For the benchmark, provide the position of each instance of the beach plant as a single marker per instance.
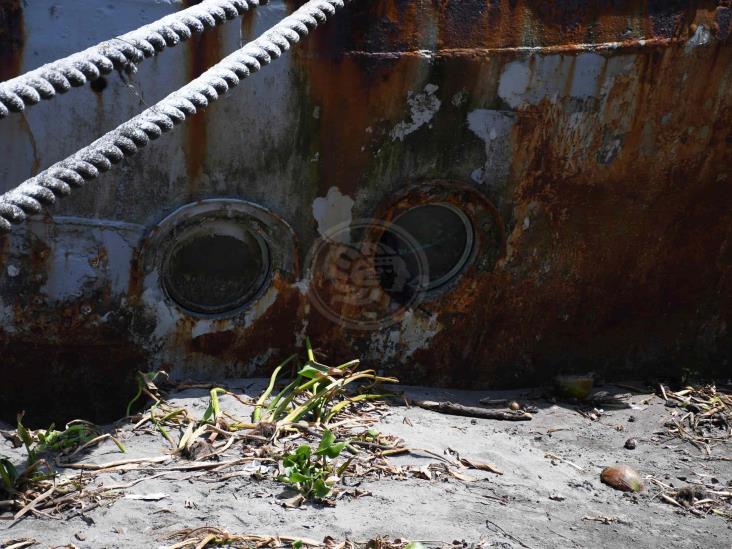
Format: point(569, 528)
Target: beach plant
point(75, 434)
point(312, 473)
point(317, 393)
point(146, 385)
point(8, 477)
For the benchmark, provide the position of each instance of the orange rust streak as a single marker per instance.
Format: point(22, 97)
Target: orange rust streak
point(353, 96)
point(204, 50)
point(247, 26)
point(239, 345)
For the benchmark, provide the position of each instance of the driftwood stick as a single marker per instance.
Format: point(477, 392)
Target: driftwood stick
point(454, 409)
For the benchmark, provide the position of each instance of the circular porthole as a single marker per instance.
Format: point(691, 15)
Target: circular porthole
point(444, 237)
point(217, 257)
point(215, 267)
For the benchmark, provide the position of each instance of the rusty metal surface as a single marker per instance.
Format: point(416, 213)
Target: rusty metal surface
point(599, 135)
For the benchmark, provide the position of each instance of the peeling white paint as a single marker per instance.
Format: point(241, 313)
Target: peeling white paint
point(332, 210)
point(514, 83)
point(302, 333)
point(423, 107)
point(494, 128)
point(119, 258)
point(86, 254)
point(587, 71)
point(418, 331)
point(459, 98)
point(701, 37)
point(166, 316)
point(303, 285)
point(609, 151)
point(259, 307)
point(413, 333)
point(210, 326)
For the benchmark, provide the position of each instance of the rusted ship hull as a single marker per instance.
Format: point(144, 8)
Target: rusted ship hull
point(586, 145)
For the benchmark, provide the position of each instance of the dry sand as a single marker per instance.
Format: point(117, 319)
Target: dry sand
point(538, 502)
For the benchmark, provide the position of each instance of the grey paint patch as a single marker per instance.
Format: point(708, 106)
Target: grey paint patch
point(494, 128)
point(587, 70)
point(69, 271)
point(87, 254)
point(514, 83)
point(529, 83)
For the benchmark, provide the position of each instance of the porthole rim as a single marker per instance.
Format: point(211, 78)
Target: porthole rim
point(489, 231)
point(277, 233)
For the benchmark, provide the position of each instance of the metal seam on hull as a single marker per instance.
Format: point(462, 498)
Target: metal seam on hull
point(43, 189)
point(121, 52)
point(564, 48)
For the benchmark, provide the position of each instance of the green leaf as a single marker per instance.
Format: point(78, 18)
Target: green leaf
point(327, 440)
point(257, 414)
point(303, 451)
point(8, 474)
point(328, 448)
point(415, 545)
point(320, 489)
point(311, 355)
point(312, 371)
point(285, 479)
point(335, 450)
point(299, 477)
point(212, 413)
point(297, 544)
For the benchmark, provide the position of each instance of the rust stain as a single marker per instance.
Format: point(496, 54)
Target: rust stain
point(393, 26)
point(204, 50)
point(566, 308)
point(36, 165)
point(247, 26)
point(12, 38)
point(358, 101)
point(266, 336)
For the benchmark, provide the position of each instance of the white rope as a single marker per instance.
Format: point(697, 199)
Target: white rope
point(121, 53)
point(58, 180)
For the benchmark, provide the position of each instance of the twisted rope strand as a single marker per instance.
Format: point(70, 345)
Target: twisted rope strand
point(121, 53)
point(58, 180)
